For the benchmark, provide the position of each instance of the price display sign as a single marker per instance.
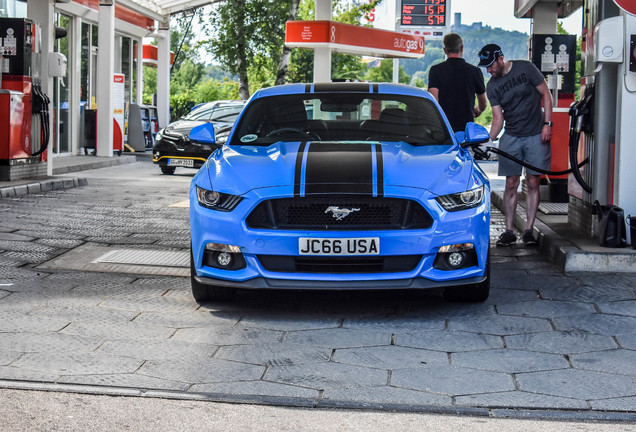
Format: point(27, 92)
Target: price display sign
point(424, 13)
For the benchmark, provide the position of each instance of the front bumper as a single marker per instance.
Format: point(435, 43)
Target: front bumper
point(448, 228)
point(283, 284)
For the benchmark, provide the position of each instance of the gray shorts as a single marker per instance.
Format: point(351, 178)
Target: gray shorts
point(530, 150)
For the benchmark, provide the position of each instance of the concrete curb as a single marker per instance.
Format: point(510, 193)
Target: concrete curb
point(312, 403)
point(91, 163)
point(32, 186)
point(565, 254)
point(38, 186)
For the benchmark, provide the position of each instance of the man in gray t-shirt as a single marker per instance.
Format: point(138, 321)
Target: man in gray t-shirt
point(516, 91)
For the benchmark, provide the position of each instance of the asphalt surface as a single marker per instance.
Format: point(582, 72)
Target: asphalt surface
point(544, 345)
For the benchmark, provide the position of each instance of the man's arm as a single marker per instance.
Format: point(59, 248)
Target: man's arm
point(482, 103)
point(434, 91)
point(497, 122)
point(546, 96)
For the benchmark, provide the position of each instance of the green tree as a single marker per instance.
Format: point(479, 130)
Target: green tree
point(150, 84)
point(186, 72)
point(384, 73)
point(343, 66)
point(186, 77)
point(248, 35)
point(283, 64)
point(182, 38)
point(419, 79)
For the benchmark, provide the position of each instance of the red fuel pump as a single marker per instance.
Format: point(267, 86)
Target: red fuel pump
point(24, 119)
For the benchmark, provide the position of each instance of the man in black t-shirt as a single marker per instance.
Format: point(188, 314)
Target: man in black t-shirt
point(454, 83)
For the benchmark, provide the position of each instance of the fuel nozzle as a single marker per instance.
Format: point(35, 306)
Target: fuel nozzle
point(578, 110)
point(581, 112)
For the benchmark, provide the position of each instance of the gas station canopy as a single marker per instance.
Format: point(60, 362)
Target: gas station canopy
point(162, 9)
point(523, 8)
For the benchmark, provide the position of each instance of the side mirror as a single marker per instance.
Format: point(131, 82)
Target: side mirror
point(460, 136)
point(203, 133)
point(475, 134)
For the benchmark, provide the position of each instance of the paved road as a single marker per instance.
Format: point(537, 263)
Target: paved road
point(545, 344)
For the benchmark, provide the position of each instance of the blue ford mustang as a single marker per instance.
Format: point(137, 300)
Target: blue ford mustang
point(341, 186)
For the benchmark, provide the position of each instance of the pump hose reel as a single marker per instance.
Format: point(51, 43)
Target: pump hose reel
point(41, 108)
point(580, 120)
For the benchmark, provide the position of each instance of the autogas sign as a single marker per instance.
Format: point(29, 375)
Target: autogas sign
point(352, 39)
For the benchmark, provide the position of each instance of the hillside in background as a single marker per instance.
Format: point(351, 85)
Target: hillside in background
point(513, 43)
point(216, 72)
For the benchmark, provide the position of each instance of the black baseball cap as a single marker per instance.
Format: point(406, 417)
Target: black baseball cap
point(488, 54)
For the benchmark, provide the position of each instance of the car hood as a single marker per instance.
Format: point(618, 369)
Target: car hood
point(334, 167)
point(183, 127)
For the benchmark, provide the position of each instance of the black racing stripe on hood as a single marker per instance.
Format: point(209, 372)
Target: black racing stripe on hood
point(379, 164)
point(307, 88)
point(298, 168)
point(339, 168)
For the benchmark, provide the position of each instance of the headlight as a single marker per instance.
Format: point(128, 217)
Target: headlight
point(462, 200)
point(217, 200)
point(159, 135)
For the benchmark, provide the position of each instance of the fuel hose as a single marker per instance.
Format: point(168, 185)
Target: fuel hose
point(527, 165)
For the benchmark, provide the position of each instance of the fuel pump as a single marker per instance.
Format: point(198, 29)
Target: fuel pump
point(602, 123)
point(24, 118)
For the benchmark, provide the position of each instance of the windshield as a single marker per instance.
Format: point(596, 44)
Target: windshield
point(341, 117)
point(214, 112)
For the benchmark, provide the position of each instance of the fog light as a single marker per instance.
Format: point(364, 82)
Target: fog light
point(456, 247)
point(224, 259)
point(222, 247)
point(455, 259)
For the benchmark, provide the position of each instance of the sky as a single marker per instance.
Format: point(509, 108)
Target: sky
point(500, 13)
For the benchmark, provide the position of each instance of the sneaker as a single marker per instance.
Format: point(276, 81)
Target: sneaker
point(528, 238)
point(507, 238)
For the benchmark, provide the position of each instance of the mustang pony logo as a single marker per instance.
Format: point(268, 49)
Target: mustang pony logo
point(340, 213)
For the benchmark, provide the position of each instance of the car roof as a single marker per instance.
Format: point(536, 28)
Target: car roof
point(341, 87)
point(218, 103)
point(224, 102)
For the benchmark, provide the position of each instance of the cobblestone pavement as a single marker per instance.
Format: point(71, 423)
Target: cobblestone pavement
point(544, 342)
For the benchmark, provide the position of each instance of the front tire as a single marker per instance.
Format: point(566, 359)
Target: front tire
point(168, 170)
point(474, 293)
point(203, 293)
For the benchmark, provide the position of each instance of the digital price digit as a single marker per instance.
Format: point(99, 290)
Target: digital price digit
point(424, 13)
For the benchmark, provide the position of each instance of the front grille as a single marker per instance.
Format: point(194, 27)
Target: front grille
point(340, 265)
point(366, 213)
point(172, 139)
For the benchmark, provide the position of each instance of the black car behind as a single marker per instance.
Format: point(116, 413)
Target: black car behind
point(174, 149)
